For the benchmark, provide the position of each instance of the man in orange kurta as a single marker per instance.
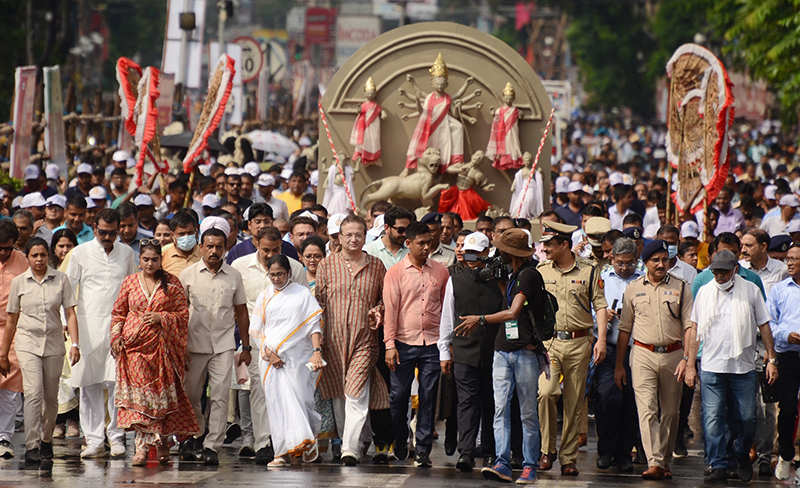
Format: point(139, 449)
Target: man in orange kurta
point(12, 263)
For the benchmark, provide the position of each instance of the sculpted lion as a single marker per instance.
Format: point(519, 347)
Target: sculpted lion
point(418, 186)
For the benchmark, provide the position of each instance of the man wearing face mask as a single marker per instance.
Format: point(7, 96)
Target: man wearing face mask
point(725, 317)
point(656, 313)
point(677, 267)
point(469, 292)
point(184, 251)
point(615, 409)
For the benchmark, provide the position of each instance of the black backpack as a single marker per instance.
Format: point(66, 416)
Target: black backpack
point(545, 326)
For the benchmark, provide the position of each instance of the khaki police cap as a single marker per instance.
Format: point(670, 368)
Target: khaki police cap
point(596, 226)
point(552, 229)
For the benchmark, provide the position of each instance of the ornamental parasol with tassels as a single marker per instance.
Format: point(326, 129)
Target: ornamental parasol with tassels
point(699, 114)
point(220, 85)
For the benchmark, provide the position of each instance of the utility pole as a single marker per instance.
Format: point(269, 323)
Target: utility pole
point(182, 76)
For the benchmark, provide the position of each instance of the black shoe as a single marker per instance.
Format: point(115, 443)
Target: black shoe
point(265, 455)
point(717, 476)
point(450, 449)
point(604, 462)
point(465, 463)
point(232, 433)
point(516, 461)
point(624, 466)
point(489, 461)
point(401, 452)
point(337, 453)
point(680, 450)
point(687, 432)
point(732, 474)
point(188, 450)
point(32, 456)
point(381, 455)
point(764, 470)
point(46, 450)
point(246, 452)
point(421, 460)
point(744, 468)
point(349, 460)
point(210, 457)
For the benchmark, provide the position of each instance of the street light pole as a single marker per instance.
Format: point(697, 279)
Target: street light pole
point(182, 75)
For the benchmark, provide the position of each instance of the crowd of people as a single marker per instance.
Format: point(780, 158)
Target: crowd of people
point(251, 312)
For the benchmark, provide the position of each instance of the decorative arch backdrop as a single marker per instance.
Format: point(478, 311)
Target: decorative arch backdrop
point(412, 50)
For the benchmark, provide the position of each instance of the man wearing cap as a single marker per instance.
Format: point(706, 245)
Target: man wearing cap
point(99, 196)
point(34, 203)
point(726, 315)
point(635, 233)
point(517, 355)
point(728, 241)
point(35, 182)
point(778, 224)
point(84, 182)
point(146, 211)
point(573, 210)
point(469, 293)
point(217, 302)
point(266, 185)
point(334, 227)
point(391, 247)
point(578, 287)
point(258, 215)
point(656, 313)
point(561, 189)
point(690, 232)
point(209, 204)
point(253, 268)
point(615, 409)
point(594, 228)
point(53, 217)
point(96, 270)
point(441, 253)
point(677, 267)
point(779, 247)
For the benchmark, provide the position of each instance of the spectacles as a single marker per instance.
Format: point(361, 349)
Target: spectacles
point(149, 242)
point(625, 265)
point(107, 233)
point(400, 230)
point(277, 275)
point(313, 258)
point(716, 272)
point(6, 248)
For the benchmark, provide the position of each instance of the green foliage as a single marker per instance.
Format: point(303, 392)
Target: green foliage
point(764, 36)
point(6, 179)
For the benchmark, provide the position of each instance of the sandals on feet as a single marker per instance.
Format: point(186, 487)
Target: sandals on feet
point(163, 452)
point(140, 458)
point(278, 462)
point(312, 454)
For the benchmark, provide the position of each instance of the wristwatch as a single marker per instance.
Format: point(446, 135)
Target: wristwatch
point(316, 349)
point(773, 361)
point(685, 358)
point(247, 348)
point(482, 320)
point(76, 345)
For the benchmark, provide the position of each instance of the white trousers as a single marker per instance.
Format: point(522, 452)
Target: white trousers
point(351, 412)
point(258, 403)
point(9, 400)
point(93, 414)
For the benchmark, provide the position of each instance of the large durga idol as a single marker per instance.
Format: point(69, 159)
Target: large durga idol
point(439, 126)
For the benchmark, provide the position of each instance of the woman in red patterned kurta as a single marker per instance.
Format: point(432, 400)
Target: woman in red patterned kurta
point(149, 330)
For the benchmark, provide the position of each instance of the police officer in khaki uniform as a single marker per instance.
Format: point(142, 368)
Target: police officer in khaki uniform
point(577, 286)
point(656, 311)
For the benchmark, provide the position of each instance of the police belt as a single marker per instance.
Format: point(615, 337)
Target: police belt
point(660, 349)
point(565, 336)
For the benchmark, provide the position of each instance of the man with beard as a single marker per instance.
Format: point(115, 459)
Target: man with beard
point(391, 248)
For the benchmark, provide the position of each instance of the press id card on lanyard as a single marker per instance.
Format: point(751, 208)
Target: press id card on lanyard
point(512, 330)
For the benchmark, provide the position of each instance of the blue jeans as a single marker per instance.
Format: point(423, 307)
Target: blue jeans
point(426, 360)
point(737, 392)
point(518, 369)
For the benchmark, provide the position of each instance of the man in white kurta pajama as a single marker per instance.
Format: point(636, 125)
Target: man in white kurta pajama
point(96, 270)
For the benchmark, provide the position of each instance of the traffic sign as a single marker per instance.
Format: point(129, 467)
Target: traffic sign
point(252, 58)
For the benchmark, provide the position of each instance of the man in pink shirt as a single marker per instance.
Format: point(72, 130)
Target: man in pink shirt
point(413, 291)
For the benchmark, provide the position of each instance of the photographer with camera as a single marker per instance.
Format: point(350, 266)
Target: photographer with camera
point(470, 292)
point(518, 354)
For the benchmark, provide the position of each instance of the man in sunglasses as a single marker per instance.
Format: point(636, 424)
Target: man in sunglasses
point(96, 270)
point(391, 248)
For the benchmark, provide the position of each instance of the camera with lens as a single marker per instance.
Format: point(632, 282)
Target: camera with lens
point(495, 268)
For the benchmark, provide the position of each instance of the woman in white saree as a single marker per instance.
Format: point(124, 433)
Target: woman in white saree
point(286, 325)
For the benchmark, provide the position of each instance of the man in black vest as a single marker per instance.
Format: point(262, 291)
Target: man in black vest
point(469, 356)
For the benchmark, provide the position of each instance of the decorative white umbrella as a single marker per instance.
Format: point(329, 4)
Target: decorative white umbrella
point(268, 141)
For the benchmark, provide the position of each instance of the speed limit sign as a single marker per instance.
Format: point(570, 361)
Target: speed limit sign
point(252, 58)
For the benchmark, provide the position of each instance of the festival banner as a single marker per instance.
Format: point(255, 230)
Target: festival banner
point(53, 113)
point(24, 94)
